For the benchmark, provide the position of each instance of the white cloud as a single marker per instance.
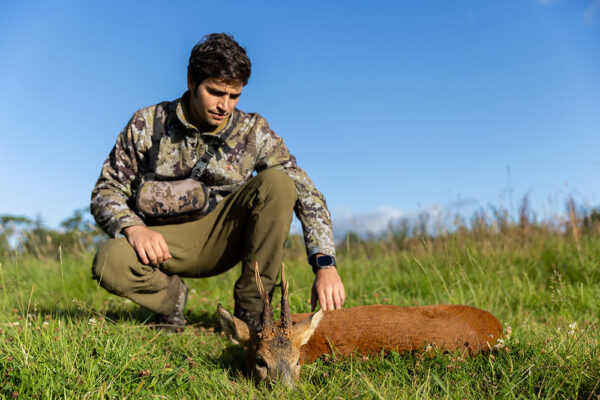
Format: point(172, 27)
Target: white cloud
point(384, 218)
point(374, 222)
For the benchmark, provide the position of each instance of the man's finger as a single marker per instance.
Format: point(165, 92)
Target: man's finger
point(323, 300)
point(329, 297)
point(151, 255)
point(337, 300)
point(142, 254)
point(160, 257)
point(164, 248)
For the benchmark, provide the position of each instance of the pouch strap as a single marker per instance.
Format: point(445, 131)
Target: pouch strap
point(158, 131)
point(213, 145)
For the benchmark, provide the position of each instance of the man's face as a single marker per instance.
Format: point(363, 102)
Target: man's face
point(212, 101)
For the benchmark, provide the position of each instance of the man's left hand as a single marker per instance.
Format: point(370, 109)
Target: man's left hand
point(328, 289)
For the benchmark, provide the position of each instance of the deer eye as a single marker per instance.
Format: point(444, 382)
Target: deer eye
point(260, 363)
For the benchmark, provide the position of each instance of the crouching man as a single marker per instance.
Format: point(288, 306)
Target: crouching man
point(196, 186)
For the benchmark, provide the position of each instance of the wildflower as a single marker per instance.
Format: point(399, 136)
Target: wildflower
point(92, 321)
point(499, 343)
point(508, 330)
point(572, 328)
point(45, 324)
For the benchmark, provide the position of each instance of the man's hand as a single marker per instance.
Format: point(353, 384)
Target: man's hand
point(150, 246)
point(328, 289)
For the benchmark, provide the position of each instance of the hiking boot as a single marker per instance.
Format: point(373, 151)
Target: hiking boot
point(252, 318)
point(174, 322)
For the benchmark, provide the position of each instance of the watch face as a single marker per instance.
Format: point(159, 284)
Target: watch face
point(324, 261)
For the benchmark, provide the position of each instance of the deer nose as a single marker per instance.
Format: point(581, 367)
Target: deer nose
point(284, 375)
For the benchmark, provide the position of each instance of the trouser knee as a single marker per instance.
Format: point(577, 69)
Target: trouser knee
point(112, 266)
point(275, 186)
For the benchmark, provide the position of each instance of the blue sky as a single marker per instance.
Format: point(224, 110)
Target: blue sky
point(392, 107)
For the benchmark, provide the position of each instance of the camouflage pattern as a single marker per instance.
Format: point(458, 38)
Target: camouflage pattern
point(184, 198)
point(253, 147)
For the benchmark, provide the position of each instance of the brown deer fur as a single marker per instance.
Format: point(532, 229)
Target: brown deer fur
point(277, 351)
point(376, 328)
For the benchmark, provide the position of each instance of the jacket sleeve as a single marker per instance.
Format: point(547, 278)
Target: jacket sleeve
point(311, 208)
point(112, 193)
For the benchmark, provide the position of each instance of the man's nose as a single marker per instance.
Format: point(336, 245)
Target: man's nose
point(225, 103)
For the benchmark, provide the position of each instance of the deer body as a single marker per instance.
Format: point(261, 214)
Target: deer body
point(375, 328)
point(276, 352)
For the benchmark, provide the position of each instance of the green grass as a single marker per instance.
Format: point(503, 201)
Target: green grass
point(63, 337)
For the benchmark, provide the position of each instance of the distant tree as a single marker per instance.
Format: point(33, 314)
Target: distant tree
point(21, 235)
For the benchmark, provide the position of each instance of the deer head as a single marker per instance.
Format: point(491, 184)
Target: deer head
point(273, 353)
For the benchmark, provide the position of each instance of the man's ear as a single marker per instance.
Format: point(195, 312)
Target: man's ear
point(190, 84)
point(304, 329)
point(236, 330)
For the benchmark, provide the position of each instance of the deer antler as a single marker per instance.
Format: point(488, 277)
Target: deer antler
point(286, 317)
point(268, 322)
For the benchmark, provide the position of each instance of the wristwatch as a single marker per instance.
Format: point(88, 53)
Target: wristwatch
point(322, 262)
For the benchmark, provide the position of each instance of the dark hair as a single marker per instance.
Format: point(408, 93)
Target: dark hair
point(218, 55)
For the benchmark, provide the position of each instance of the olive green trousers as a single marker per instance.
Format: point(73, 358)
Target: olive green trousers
point(250, 225)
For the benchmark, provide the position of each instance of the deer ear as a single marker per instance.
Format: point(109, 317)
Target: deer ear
point(304, 329)
point(236, 330)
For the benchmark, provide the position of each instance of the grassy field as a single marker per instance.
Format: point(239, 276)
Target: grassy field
point(61, 336)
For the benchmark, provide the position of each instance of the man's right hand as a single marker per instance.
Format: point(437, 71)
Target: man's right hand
point(150, 246)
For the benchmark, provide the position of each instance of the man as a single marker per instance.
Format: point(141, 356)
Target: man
point(254, 182)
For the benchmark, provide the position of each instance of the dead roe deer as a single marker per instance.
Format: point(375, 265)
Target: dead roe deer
point(276, 352)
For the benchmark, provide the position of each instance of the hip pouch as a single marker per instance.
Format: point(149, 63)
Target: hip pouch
point(167, 202)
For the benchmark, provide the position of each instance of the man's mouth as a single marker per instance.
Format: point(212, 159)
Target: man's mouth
point(218, 116)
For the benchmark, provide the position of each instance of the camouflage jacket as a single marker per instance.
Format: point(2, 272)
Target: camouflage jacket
point(253, 147)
